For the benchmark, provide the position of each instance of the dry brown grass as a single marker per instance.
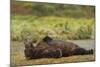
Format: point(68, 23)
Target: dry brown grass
point(18, 60)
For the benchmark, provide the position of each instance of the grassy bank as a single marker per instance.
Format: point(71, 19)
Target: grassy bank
point(57, 27)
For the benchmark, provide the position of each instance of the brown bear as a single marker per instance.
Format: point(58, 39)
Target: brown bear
point(68, 48)
point(49, 48)
point(42, 50)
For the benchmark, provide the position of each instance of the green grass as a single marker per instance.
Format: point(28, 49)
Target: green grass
point(56, 27)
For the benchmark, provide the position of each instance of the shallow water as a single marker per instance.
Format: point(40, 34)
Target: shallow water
point(87, 44)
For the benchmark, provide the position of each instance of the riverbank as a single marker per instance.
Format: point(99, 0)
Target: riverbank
point(18, 58)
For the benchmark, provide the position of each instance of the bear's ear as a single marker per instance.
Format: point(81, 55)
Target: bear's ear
point(25, 40)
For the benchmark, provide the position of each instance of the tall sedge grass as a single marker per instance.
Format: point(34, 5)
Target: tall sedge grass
point(57, 27)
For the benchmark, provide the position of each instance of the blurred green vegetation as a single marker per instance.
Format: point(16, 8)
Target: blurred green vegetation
point(59, 21)
point(53, 9)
